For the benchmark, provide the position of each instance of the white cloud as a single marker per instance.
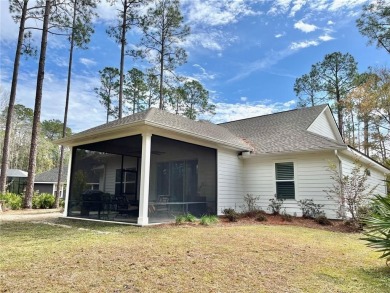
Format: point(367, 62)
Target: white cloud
point(215, 40)
point(303, 44)
point(8, 28)
point(225, 112)
point(326, 38)
point(305, 27)
point(280, 35)
point(279, 7)
point(203, 75)
point(340, 4)
point(297, 5)
point(85, 110)
point(217, 13)
point(87, 62)
point(243, 99)
point(330, 22)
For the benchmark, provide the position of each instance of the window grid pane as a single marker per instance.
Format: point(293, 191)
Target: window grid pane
point(285, 186)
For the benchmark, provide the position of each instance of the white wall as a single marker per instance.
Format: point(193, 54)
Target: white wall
point(375, 180)
point(322, 126)
point(256, 176)
point(230, 180)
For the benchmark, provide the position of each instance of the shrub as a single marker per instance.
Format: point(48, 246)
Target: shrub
point(190, 218)
point(286, 217)
point(43, 201)
point(13, 201)
point(322, 220)
point(276, 205)
point(62, 203)
point(377, 229)
point(309, 209)
point(208, 220)
point(180, 219)
point(261, 217)
point(350, 192)
point(231, 214)
point(250, 204)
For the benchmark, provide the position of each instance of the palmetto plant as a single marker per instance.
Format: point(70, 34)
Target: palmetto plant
point(377, 229)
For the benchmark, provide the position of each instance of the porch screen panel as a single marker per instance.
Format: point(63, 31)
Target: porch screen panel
point(183, 180)
point(104, 180)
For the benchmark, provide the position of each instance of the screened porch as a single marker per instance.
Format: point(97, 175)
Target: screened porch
point(142, 179)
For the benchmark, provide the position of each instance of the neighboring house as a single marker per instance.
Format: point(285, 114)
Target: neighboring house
point(46, 182)
point(153, 165)
point(16, 180)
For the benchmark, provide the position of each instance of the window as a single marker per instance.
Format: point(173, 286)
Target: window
point(178, 179)
point(285, 186)
point(126, 182)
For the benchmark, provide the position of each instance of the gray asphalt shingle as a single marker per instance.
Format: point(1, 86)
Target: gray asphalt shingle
point(51, 176)
point(283, 132)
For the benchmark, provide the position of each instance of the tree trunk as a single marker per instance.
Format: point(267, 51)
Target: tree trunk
point(122, 62)
point(365, 135)
point(37, 111)
point(61, 160)
point(11, 104)
point(162, 62)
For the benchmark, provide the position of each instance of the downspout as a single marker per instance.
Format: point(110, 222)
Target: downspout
point(340, 167)
point(340, 170)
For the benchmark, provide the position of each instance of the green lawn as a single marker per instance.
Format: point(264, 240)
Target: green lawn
point(90, 257)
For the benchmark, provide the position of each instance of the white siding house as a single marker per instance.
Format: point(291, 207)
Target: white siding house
point(207, 168)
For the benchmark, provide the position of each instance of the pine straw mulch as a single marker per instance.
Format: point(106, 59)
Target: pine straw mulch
point(336, 225)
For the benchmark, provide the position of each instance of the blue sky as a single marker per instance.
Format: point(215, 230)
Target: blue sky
point(246, 53)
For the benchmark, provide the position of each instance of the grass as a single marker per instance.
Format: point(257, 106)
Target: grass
point(79, 256)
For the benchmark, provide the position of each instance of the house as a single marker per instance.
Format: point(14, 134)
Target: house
point(152, 165)
point(16, 180)
point(46, 182)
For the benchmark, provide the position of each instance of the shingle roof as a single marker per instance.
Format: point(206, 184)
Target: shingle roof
point(283, 132)
point(16, 173)
point(274, 133)
point(166, 120)
point(51, 176)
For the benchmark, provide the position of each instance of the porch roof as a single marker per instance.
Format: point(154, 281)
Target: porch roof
point(159, 119)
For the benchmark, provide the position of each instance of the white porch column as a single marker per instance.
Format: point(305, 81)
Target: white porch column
point(66, 197)
point(145, 175)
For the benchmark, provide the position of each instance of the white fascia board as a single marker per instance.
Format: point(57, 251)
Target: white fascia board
point(296, 152)
point(101, 135)
point(351, 153)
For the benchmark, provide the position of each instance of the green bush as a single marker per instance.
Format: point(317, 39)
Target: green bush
point(322, 220)
point(43, 201)
point(231, 214)
point(62, 203)
point(275, 205)
point(180, 219)
point(286, 217)
point(377, 228)
point(310, 210)
point(208, 220)
point(261, 217)
point(13, 201)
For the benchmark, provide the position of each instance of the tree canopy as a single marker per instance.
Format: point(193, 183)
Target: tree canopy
point(374, 23)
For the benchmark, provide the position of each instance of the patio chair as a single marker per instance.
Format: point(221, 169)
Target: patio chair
point(162, 205)
point(123, 207)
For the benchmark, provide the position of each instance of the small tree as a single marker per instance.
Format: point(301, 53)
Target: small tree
point(350, 192)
